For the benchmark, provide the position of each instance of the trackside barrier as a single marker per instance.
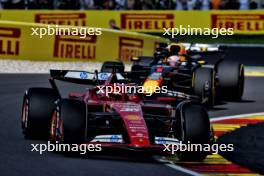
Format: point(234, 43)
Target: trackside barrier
point(17, 42)
point(243, 22)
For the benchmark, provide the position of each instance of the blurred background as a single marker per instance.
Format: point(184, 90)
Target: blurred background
point(185, 5)
point(134, 4)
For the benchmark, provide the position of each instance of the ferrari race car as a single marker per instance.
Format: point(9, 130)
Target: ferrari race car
point(113, 119)
point(222, 81)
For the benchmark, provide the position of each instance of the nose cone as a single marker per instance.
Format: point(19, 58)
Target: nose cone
point(150, 86)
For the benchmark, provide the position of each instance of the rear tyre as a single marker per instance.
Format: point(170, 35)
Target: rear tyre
point(231, 80)
point(195, 129)
point(68, 122)
point(37, 109)
point(203, 83)
point(112, 66)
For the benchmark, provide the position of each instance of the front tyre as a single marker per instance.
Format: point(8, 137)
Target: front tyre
point(195, 129)
point(38, 106)
point(68, 122)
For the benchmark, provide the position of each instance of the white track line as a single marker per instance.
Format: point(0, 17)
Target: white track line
point(175, 167)
point(235, 116)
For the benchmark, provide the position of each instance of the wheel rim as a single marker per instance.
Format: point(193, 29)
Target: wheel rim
point(241, 80)
point(25, 114)
point(59, 128)
point(53, 127)
point(180, 154)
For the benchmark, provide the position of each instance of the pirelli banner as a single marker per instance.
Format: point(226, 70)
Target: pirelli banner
point(242, 22)
point(31, 41)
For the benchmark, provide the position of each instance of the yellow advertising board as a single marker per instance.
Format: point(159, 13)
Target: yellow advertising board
point(243, 22)
point(19, 41)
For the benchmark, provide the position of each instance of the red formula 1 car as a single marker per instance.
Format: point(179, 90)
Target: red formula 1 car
point(113, 119)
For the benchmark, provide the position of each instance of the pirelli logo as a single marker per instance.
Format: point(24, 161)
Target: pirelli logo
point(143, 21)
point(74, 47)
point(9, 41)
point(130, 47)
point(71, 19)
point(239, 22)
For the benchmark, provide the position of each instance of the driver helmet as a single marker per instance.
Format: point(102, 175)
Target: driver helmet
point(174, 61)
point(176, 49)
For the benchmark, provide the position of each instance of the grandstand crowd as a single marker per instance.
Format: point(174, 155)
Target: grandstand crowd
point(133, 4)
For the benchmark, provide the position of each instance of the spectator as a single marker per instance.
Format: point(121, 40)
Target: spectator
point(13, 4)
point(198, 5)
point(182, 5)
point(148, 4)
point(120, 4)
point(253, 4)
point(112, 25)
point(40, 4)
point(215, 4)
point(68, 4)
point(261, 3)
point(244, 4)
point(230, 4)
point(109, 4)
point(131, 4)
point(88, 4)
point(165, 5)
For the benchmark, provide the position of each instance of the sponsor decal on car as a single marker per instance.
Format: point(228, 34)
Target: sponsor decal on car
point(149, 21)
point(108, 138)
point(79, 75)
point(83, 75)
point(103, 76)
point(9, 41)
point(71, 19)
point(74, 47)
point(133, 117)
point(130, 108)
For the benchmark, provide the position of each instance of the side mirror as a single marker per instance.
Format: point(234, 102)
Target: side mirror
point(202, 62)
point(135, 59)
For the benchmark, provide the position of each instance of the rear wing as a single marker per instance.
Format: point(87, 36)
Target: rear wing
point(200, 48)
point(84, 77)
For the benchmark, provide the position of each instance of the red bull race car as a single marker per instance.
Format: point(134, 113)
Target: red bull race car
point(113, 119)
point(181, 70)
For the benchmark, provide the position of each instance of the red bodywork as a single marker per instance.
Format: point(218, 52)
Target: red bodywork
point(130, 109)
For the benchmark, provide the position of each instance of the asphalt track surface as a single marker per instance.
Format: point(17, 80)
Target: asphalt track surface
point(17, 159)
point(248, 146)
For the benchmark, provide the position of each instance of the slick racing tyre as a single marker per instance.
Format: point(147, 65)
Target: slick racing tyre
point(68, 122)
point(230, 80)
point(194, 129)
point(111, 66)
point(37, 109)
point(203, 84)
